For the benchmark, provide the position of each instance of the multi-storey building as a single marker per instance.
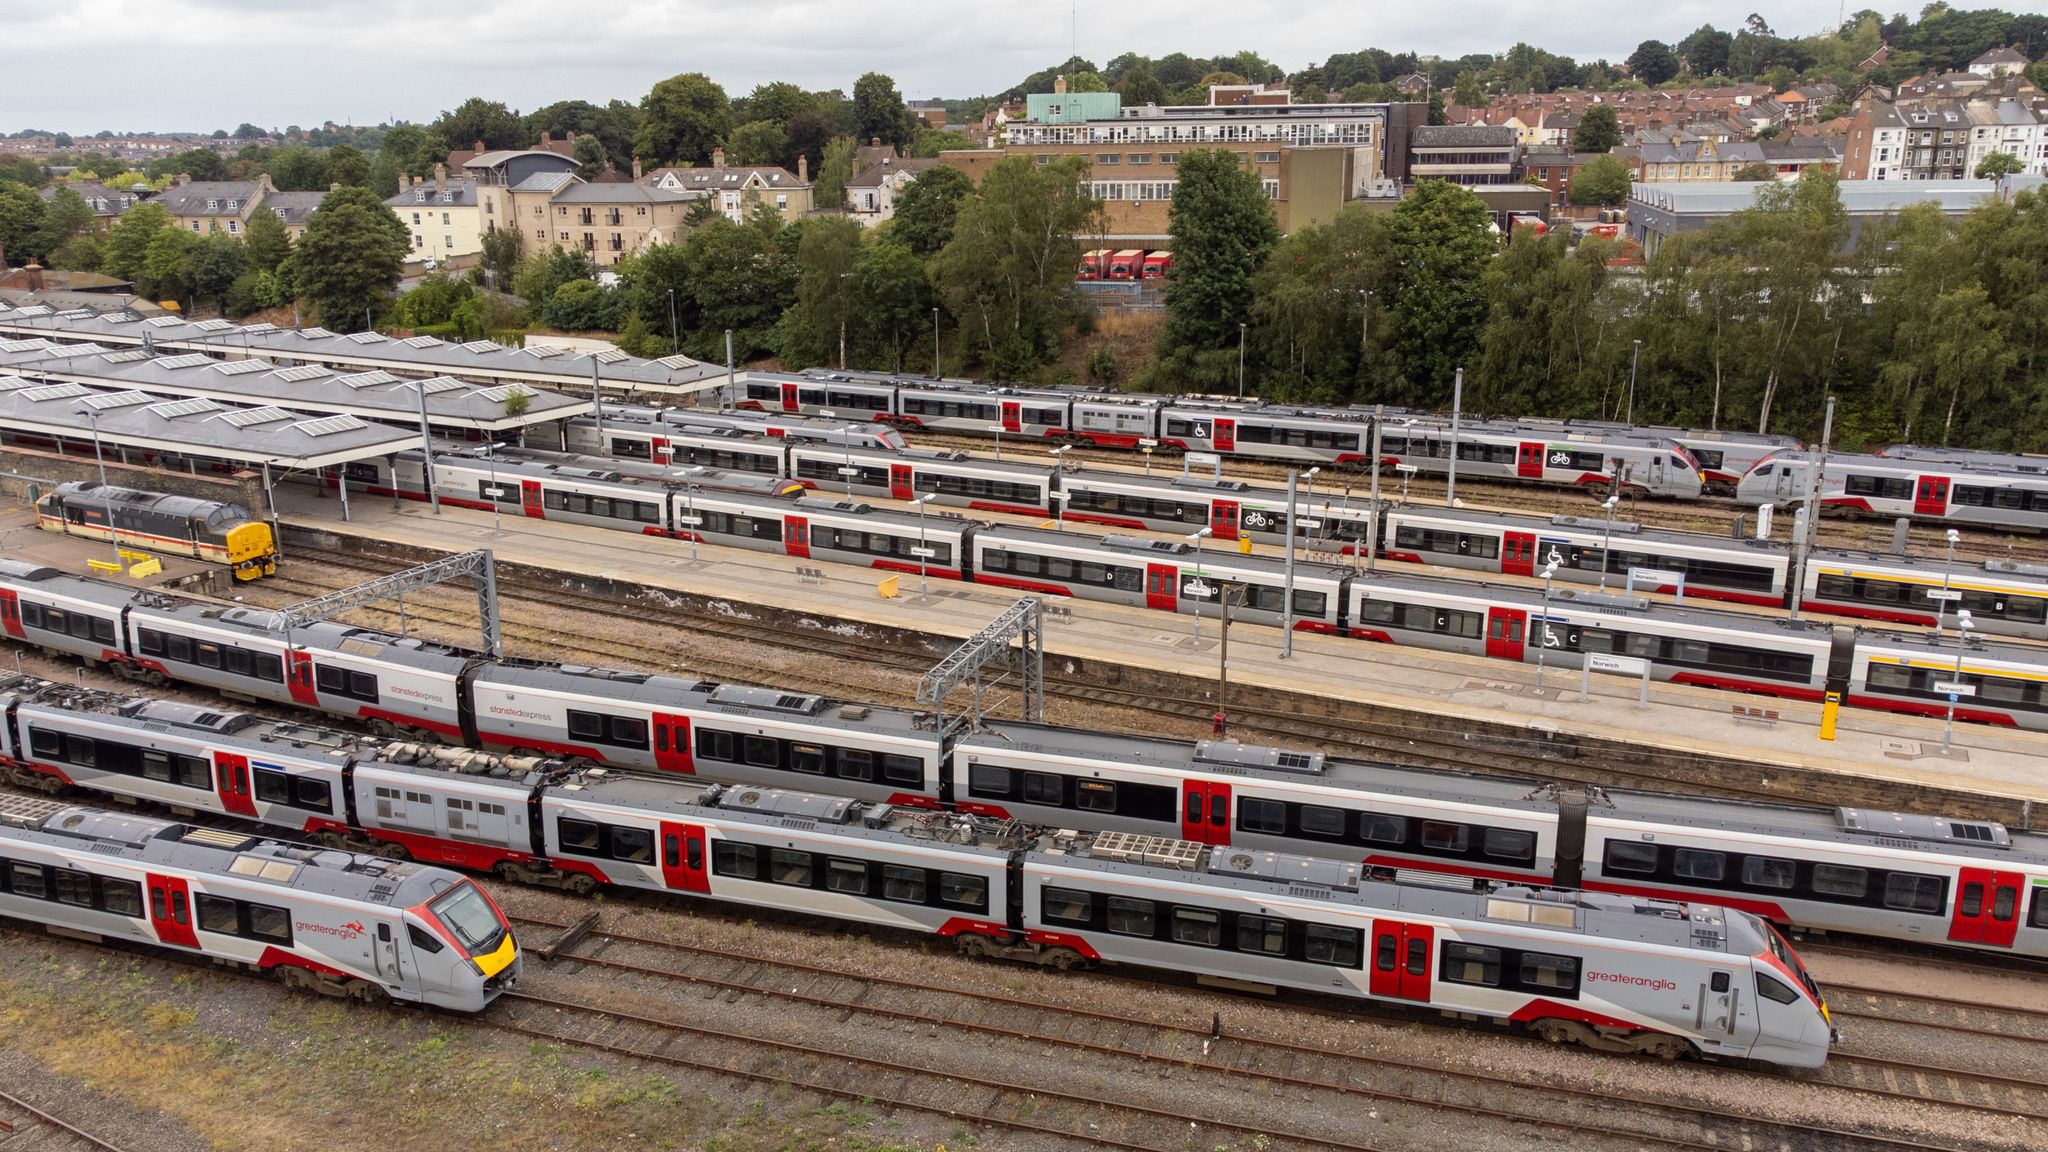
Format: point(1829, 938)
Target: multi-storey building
point(214, 205)
point(1938, 130)
point(735, 189)
point(106, 203)
point(442, 216)
point(1467, 154)
point(539, 193)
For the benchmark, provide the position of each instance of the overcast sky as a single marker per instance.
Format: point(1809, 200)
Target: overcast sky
point(140, 65)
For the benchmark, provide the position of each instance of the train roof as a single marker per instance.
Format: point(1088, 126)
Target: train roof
point(1624, 532)
point(924, 455)
point(145, 840)
point(2005, 461)
point(794, 810)
point(734, 699)
point(1931, 568)
point(1188, 482)
point(61, 583)
point(345, 639)
point(1616, 606)
point(546, 464)
point(1842, 462)
point(169, 504)
point(1144, 547)
point(1981, 839)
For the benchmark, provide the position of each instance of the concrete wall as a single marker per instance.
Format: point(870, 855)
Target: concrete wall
point(20, 468)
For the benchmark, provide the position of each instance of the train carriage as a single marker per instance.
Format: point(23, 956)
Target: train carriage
point(1168, 575)
point(953, 408)
point(841, 532)
point(2003, 598)
point(210, 530)
point(1653, 467)
point(325, 920)
point(1230, 509)
point(1267, 433)
point(1723, 457)
point(659, 442)
point(2004, 684)
point(1977, 458)
point(953, 478)
point(819, 392)
point(1714, 568)
point(1922, 490)
point(59, 612)
point(791, 427)
point(1110, 421)
point(604, 493)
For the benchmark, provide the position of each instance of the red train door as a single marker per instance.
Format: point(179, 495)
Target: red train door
point(1504, 632)
point(1225, 436)
point(796, 537)
point(789, 400)
point(298, 677)
point(899, 482)
point(657, 450)
point(1223, 519)
point(231, 776)
point(1930, 496)
point(1205, 812)
point(672, 743)
point(10, 615)
point(683, 867)
point(529, 499)
point(1012, 416)
point(1987, 907)
point(1401, 957)
point(1518, 553)
point(1162, 587)
point(1529, 461)
point(170, 911)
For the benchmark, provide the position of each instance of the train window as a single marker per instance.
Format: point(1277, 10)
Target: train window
point(764, 751)
point(1262, 934)
point(1128, 917)
point(2001, 904)
point(192, 772)
point(218, 915)
point(1095, 795)
point(1908, 892)
point(1255, 815)
point(273, 787)
point(1044, 787)
point(148, 641)
point(904, 884)
point(1311, 605)
point(807, 758)
point(1773, 989)
point(1418, 958)
point(788, 866)
point(27, 880)
point(1067, 905)
point(76, 888)
point(423, 939)
point(988, 780)
point(968, 892)
point(1197, 926)
point(1767, 872)
point(121, 897)
point(1971, 903)
point(339, 681)
point(1838, 880)
point(585, 725)
point(209, 655)
point(1698, 864)
point(579, 836)
point(180, 649)
point(1317, 820)
point(1627, 856)
point(1129, 579)
point(903, 770)
point(1444, 836)
point(44, 743)
point(1382, 829)
point(269, 923)
point(737, 860)
point(1553, 973)
point(633, 844)
point(2038, 916)
point(1508, 844)
point(853, 764)
point(1471, 964)
point(714, 745)
point(1339, 946)
point(81, 750)
point(849, 876)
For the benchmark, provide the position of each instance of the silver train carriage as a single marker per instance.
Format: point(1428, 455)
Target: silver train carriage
point(1923, 490)
point(329, 921)
point(1231, 509)
point(952, 478)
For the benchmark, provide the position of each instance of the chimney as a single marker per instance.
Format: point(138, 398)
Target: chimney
point(543, 145)
point(636, 169)
point(718, 158)
point(34, 276)
point(803, 168)
point(1059, 85)
point(415, 182)
point(181, 179)
point(874, 141)
point(440, 174)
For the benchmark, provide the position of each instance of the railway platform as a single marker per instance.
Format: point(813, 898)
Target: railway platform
point(1439, 690)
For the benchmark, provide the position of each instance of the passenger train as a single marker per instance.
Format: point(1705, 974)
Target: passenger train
point(210, 530)
point(1969, 495)
point(1616, 972)
point(328, 921)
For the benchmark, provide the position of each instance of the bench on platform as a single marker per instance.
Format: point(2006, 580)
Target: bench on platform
point(1768, 717)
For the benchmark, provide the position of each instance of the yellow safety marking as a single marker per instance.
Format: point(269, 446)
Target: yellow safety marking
point(107, 566)
point(498, 961)
point(889, 588)
point(1950, 666)
point(148, 566)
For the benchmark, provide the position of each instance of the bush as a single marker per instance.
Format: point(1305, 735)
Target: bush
point(585, 305)
point(253, 291)
point(433, 300)
point(1102, 363)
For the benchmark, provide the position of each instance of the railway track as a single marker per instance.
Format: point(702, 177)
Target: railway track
point(1316, 1080)
point(27, 1128)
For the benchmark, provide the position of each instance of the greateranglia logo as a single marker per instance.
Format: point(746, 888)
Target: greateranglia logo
point(1653, 983)
point(348, 931)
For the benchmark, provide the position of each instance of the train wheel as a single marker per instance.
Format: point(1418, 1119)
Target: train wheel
point(973, 944)
point(1666, 1047)
point(1062, 959)
point(393, 851)
point(580, 884)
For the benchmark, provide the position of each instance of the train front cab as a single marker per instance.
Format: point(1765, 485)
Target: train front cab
point(458, 946)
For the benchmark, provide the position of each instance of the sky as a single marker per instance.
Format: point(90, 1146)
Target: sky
point(80, 66)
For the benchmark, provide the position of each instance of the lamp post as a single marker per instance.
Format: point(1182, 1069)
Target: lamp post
point(497, 493)
point(924, 551)
point(935, 343)
point(690, 518)
point(843, 277)
point(1956, 678)
point(1941, 601)
point(1195, 538)
point(1457, 412)
point(1606, 536)
point(1240, 360)
point(1543, 623)
point(92, 417)
point(1633, 357)
point(1059, 499)
point(1364, 321)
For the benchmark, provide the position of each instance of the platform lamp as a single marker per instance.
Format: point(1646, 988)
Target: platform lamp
point(924, 549)
point(1606, 538)
point(1194, 538)
point(1543, 623)
point(1941, 602)
point(1963, 627)
point(690, 518)
point(92, 417)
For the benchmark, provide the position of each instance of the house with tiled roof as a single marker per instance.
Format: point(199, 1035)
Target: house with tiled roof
point(443, 216)
point(106, 203)
point(208, 206)
point(2000, 62)
point(735, 189)
point(871, 195)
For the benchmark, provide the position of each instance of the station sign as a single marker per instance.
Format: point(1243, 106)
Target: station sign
point(1619, 665)
point(1955, 690)
point(1196, 588)
point(1948, 595)
point(924, 553)
point(1203, 460)
point(1655, 576)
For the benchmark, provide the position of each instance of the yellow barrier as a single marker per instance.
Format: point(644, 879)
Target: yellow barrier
point(106, 566)
point(134, 557)
point(1244, 544)
point(147, 566)
point(890, 588)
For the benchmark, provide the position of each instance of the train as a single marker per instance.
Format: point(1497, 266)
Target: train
point(1977, 492)
point(214, 531)
point(1881, 874)
point(1616, 972)
point(331, 922)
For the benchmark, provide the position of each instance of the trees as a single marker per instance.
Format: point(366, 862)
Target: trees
point(1222, 227)
point(267, 241)
point(778, 102)
point(1467, 93)
point(1602, 180)
point(879, 112)
point(757, 142)
point(1310, 335)
point(503, 249)
point(1756, 170)
point(1999, 165)
point(681, 119)
point(128, 240)
point(1007, 271)
point(591, 160)
point(895, 298)
point(21, 223)
point(809, 132)
point(347, 165)
point(1442, 246)
point(815, 326)
point(298, 169)
point(350, 257)
point(1706, 51)
point(212, 266)
point(479, 119)
point(167, 266)
point(585, 306)
point(606, 126)
point(65, 216)
point(828, 189)
point(925, 211)
point(1139, 86)
point(1652, 62)
point(1598, 130)
point(198, 163)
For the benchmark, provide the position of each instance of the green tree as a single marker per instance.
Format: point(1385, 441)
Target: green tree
point(1653, 62)
point(737, 276)
point(778, 103)
point(1755, 170)
point(925, 210)
point(828, 189)
point(298, 169)
point(1706, 51)
point(128, 240)
point(1140, 86)
point(546, 271)
point(591, 160)
point(503, 249)
point(1999, 165)
point(1436, 113)
point(879, 112)
point(1313, 336)
point(199, 163)
point(213, 265)
point(585, 306)
point(479, 119)
point(929, 144)
point(1790, 242)
point(896, 299)
point(815, 327)
point(757, 142)
point(1467, 92)
point(65, 216)
point(1087, 82)
point(1008, 271)
point(809, 133)
point(385, 174)
point(433, 300)
point(681, 119)
point(1598, 130)
point(247, 131)
point(1443, 247)
point(267, 241)
point(22, 219)
point(1602, 180)
point(347, 166)
point(1221, 227)
point(350, 258)
point(85, 252)
point(167, 266)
